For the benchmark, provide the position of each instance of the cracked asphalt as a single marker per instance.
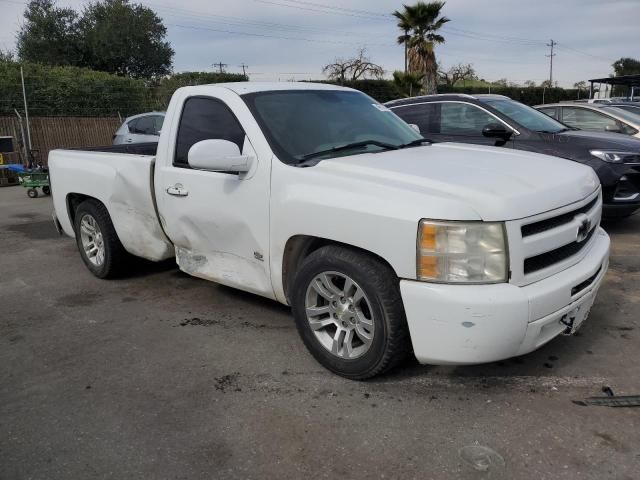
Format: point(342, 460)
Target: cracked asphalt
point(163, 376)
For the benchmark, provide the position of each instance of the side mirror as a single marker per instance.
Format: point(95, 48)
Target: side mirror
point(218, 156)
point(497, 130)
point(613, 128)
point(415, 127)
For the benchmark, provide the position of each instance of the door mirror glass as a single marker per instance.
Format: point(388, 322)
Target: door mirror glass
point(496, 130)
point(613, 128)
point(218, 156)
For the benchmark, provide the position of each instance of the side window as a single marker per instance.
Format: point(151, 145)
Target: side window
point(133, 125)
point(204, 119)
point(586, 119)
point(424, 115)
point(144, 125)
point(463, 119)
point(552, 112)
point(158, 120)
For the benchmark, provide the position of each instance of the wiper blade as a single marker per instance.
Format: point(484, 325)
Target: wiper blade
point(416, 143)
point(348, 146)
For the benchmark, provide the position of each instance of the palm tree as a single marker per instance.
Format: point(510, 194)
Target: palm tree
point(408, 83)
point(419, 24)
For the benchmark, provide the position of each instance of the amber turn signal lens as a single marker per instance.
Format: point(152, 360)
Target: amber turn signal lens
point(428, 237)
point(428, 267)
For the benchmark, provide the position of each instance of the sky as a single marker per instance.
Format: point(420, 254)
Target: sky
point(292, 39)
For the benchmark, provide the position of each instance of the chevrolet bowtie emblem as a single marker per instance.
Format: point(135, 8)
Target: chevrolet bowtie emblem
point(584, 227)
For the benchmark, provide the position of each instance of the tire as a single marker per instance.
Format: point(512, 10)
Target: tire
point(113, 260)
point(46, 190)
point(377, 312)
point(32, 193)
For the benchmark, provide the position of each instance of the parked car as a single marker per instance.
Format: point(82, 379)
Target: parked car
point(632, 107)
point(594, 117)
point(320, 198)
point(140, 129)
point(498, 120)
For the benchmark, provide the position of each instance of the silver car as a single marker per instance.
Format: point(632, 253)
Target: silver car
point(595, 117)
point(142, 128)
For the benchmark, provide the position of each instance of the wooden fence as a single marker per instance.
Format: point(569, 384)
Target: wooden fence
point(48, 133)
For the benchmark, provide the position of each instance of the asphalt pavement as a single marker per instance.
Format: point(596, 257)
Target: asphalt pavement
point(164, 376)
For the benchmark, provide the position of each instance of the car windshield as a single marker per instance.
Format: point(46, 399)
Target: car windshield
point(624, 113)
point(526, 116)
point(320, 124)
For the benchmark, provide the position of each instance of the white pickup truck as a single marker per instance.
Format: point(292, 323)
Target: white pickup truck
point(322, 199)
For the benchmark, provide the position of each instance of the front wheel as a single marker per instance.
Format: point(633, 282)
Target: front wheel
point(349, 312)
point(98, 242)
point(32, 193)
point(46, 190)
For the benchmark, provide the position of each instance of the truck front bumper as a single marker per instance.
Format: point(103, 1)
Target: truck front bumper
point(468, 324)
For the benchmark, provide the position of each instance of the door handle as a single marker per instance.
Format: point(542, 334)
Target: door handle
point(177, 190)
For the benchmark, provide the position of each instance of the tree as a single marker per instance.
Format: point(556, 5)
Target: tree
point(49, 34)
point(457, 73)
point(529, 83)
point(419, 24)
point(408, 83)
point(503, 82)
point(125, 39)
point(626, 66)
point(355, 68)
point(112, 36)
point(6, 56)
point(580, 86)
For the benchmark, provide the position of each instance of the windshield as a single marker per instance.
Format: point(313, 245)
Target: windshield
point(320, 124)
point(526, 116)
point(627, 114)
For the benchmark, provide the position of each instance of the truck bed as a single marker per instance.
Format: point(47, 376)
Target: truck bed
point(148, 148)
point(121, 178)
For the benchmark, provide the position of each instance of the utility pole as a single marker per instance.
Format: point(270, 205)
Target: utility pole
point(26, 111)
point(220, 66)
point(551, 55)
point(243, 66)
point(406, 52)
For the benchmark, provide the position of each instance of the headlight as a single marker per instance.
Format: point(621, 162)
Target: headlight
point(462, 252)
point(616, 157)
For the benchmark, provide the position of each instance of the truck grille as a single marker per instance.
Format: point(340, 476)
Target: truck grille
point(553, 222)
point(544, 260)
point(545, 244)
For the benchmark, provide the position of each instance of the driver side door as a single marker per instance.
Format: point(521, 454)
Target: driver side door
point(217, 221)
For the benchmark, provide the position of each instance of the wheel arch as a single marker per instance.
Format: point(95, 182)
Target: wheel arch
point(299, 247)
point(73, 200)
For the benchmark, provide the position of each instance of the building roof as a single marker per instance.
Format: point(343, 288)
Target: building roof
point(627, 80)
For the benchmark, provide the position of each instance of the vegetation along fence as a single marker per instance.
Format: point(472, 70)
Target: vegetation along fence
point(48, 133)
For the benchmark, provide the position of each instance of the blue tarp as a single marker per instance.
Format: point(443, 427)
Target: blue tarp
point(16, 167)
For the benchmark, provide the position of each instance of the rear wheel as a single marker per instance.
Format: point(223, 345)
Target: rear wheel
point(46, 190)
point(349, 312)
point(32, 193)
point(98, 242)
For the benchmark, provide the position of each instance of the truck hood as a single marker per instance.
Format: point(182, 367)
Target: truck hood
point(496, 183)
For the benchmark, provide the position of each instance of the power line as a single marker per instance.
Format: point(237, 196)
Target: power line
point(264, 35)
